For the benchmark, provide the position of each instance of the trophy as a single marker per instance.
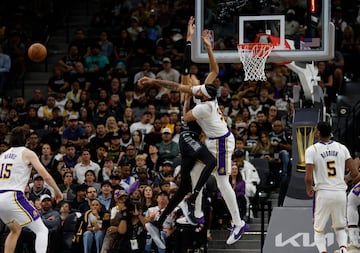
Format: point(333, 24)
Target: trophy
point(305, 136)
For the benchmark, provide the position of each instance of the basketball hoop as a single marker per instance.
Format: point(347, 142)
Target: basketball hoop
point(253, 57)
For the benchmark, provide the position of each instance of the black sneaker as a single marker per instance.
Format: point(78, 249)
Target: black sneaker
point(191, 210)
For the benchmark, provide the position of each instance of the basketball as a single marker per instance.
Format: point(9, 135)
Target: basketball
point(37, 52)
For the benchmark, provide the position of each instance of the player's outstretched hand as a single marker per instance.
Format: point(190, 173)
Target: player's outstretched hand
point(59, 197)
point(205, 38)
point(144, 81)
point(190, 28)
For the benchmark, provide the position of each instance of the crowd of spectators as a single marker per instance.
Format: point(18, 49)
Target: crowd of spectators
point(113, 147)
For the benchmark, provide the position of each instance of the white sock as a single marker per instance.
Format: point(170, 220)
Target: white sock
point(41, 232)
point(320, 241)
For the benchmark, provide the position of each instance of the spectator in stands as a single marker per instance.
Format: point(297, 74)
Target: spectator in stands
point(254, 106)
point(234, 108)
point(102, 112)
point(52, 221)
point(105, 197)
point(100, 138)
point(326, 82)
point(238, 184)
point(12, 118)
point(32, 119)
point(85, 165)
point(129, 116)
point(126, 178)
point(123, 47)
point(263, 148)
point(5, 66)
point(146, 71)
point(143, 125)
point(106, 46)
point(168, 73)
point(168, 149)
point(234, 78)
point(129, 157)
point(114, 149)
point(107, 169)
point(57, 82)
point(70, 109)
point(249, 175)
point(68, 61)
point(111, 236)
point(38, 189)
point(81, 42)
point(68, 188)
point(91, 194)
point(53, 137)
point(96, 223)
point(134, 29)
point(111, 125)
point(80, 198)
point(96, 63)
point(33, 143)
point(266, 100)
point(282, 145)
point(142, 179)
point(74, 93)
point(251, 136)
point(73, 132)
point(45, 112)
point(224, 98)
point(262, 122)
point(36, 100)
point(131, 228)
point(82, 77)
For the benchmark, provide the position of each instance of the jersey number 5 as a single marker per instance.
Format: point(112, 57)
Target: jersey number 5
point(331, 168)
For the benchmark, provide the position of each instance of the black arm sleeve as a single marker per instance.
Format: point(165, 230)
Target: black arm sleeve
point(187, 59)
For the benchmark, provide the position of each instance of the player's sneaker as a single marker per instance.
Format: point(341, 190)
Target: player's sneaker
point(185, 221)
point(341, 250)
point(236, 233)
point(186, 209)
point(155, 235)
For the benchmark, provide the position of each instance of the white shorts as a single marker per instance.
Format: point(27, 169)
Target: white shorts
point(15, 207)
point(222, 148)
point(329, 203)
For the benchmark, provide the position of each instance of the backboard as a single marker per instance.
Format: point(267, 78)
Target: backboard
point(304, 25)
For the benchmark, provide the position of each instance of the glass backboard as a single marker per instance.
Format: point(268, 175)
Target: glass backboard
point(303, 28)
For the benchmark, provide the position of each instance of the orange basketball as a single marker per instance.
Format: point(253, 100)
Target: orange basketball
point(37, 52)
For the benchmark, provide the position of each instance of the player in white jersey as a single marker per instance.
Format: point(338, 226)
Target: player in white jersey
point(326, 161)
point(15, 210)
point(219, 140)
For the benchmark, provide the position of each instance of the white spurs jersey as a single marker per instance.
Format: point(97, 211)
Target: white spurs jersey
point(210, 118)
point(329, 160)
point(14, 172)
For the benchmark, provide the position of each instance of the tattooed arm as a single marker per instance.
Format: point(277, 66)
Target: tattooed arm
point(166, 84)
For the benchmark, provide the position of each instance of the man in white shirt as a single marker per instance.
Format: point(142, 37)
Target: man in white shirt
point(85, 165)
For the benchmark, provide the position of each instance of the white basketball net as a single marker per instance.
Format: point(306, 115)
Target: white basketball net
point(253, 57)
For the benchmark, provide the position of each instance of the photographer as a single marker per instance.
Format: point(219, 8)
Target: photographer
point(131, 227)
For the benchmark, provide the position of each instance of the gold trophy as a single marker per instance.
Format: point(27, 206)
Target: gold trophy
point(305, 136)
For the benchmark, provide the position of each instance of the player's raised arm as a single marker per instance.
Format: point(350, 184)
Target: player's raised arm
point(32, 158)
point(214, 67)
